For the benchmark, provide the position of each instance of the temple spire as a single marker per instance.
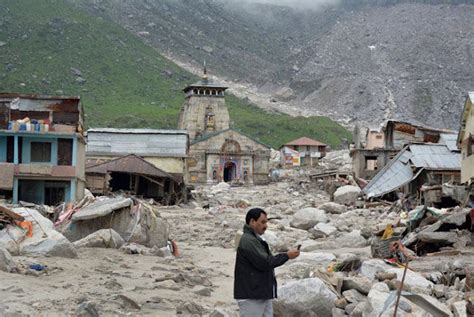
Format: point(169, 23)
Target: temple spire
point(204, 76)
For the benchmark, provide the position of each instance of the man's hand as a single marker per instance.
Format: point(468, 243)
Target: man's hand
point(293, 253)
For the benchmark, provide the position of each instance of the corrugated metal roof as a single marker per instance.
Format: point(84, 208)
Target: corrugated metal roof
point(136, 131)
point(395, 174)
point(130, 164)
point(449, 140)
point(142, 142)
point(434, 156)
point(399, 171)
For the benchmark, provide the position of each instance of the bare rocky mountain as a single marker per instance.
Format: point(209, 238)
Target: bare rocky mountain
point(368, 62)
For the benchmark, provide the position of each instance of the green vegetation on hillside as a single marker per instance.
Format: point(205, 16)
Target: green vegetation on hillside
point(58, 49)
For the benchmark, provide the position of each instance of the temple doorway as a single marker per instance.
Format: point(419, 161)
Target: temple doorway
point(230, 171)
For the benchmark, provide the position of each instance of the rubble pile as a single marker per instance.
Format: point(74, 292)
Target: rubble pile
point(352, 262)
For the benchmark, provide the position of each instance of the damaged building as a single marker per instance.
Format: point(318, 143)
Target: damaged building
point(373, 148)
point(465, 141)
point(144, 162)
point(420, 171)
point(42, 148)
point(303, 151)
point(217, 153)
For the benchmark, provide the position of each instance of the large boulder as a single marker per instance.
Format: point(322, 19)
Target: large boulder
point(45, 240)
point(304, 296)
point(307, 218)
point(353, 239)
point(7, 264)
point(275, 242)
point(346, 195)
point(105, 238)
point(10, 238)
point(139, 224)
point(220, 188)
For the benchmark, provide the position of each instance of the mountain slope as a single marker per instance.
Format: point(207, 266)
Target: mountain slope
point(366, 60)
point(60, 49)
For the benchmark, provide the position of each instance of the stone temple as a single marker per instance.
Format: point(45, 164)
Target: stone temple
point(218, 153)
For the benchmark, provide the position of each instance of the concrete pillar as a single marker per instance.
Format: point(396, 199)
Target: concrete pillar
point(15, 190)
point(16, 147)
point(72, 191)
point(74, 151)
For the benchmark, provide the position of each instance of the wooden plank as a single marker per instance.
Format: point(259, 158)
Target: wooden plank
point(11, 214)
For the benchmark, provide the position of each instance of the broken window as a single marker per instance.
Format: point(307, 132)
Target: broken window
point(371, 163)
point(40, 152)
point(65, 151)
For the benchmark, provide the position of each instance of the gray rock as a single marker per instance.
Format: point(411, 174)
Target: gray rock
point(353, 296)
point(316, 258)
point(190, 308)
point(7, 264)
point(376, 298)
point(46, 241)
point(203, 291)
point(460, 309)
point(346, 195)
point(350, 308)
point(336, 312)
point(325, 229)
point(306, 295)
point(353, 239)
point(8, 238)
point(415, 281)
point(274, 241)
point(105, 238)
point(308, 217)
point(87, 309)
point(359, 283)
point(333, 208)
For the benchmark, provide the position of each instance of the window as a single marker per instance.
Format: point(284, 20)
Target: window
point(40, 152)
point(65, 151)
point(371, 163)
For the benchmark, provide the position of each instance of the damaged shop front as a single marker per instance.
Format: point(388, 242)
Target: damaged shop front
point(427, 174)
point(42, 148)
point(134, 175)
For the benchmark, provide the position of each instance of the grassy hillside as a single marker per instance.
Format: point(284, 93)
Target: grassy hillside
point(58, 49)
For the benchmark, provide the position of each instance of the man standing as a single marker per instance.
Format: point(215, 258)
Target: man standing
point(255, 284)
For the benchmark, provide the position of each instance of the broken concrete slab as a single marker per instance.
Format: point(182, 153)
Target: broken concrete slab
point(102, 208)
point(105, 238)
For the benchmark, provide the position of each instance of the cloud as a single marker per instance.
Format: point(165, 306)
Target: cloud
point(305, 4)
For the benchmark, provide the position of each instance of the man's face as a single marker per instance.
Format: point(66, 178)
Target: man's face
point(260, 225)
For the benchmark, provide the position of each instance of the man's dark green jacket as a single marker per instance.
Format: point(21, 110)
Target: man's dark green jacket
point(254, 268)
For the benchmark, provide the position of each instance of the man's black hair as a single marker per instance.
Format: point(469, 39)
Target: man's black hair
point(254, 214)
